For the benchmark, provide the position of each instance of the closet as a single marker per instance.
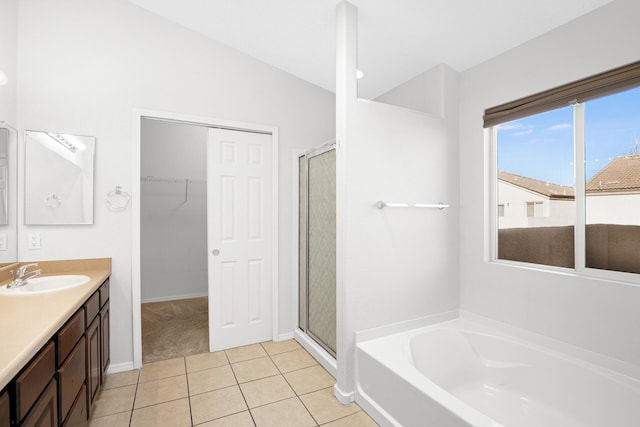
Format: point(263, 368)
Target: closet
point(173, 239)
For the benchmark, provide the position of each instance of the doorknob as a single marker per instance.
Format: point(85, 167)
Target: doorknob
point(216, 252)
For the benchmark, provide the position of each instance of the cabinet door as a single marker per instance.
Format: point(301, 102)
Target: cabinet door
point(34, 379)
point(45, 412)
point(71, 376)
point(94, 367)
point(104, 340)
point(5, 416)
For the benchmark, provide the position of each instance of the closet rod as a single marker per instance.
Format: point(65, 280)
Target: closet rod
point(186, 181)
point(380, 205)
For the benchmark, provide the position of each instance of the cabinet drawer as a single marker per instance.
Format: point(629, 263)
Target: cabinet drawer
point(34, 378)
point(71, 376)
point(69, 335)
point(44, 413)
point(104, 293)
point(5, 415)
point(78, 414)
point(92, 307)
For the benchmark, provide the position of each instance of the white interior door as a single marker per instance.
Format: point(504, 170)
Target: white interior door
point(239, 238)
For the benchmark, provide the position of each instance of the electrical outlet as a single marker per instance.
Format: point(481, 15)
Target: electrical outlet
point(34, 241)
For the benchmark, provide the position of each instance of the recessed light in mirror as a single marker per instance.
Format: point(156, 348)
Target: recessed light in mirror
point(359, 74)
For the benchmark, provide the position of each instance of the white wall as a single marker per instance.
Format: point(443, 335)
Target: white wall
point(394, 265)
point(598, 315)
point(425, 92)
point(555, 212)
point(623, 209)
point(8, 114)
point(173, 233)
point(86, 64)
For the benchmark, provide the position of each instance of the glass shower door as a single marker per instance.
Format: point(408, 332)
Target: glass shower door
point(317, 236)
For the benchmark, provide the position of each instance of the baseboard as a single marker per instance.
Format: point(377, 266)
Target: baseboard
point(287, 336)
point(174, 297)
point(121, 367)
point(344, 398)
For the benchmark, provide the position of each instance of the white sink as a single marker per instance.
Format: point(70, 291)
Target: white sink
point(44, 284)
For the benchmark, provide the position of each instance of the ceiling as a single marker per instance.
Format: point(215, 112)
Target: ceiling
point(397, 39)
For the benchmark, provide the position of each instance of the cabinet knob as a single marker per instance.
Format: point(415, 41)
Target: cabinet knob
point(216, 252)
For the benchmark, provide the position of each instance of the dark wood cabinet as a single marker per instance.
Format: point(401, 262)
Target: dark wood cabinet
point(5, 411)
point(93, 367)
point(71, 376)
point(33, 379)
point(45, 411)
point(60, 384)
point(104, 340)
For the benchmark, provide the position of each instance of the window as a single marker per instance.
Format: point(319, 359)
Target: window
point(575, 172)
point(534, 209)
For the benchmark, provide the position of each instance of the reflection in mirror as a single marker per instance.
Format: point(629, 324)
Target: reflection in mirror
point(4, 158)
point(58, 178)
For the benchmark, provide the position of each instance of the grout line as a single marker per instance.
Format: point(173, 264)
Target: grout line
point(186, 375)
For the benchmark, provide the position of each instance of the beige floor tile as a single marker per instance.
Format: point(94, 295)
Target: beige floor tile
point(210, 379)
point(114, 400)
point(359, 419)
point(115, 420)
point(170, 414)
point(309, 379)
point(266, 390)
point(163, 390)
point(290, 412)
point(292, 360)
point(243, 419)
point(199, 362)
point(324, 407)
point(162, 369)
point(121, 379)
point(246, 352)
point(216, 404)
point(254, 369)
point(280, 346)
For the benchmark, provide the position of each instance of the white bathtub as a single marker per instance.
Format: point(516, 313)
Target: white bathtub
point(457, 374)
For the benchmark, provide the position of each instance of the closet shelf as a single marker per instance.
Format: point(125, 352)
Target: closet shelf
point(380, 205)
point(173, 180)
point(186, 182)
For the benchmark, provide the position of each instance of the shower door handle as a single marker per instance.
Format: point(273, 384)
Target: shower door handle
point(215, 252)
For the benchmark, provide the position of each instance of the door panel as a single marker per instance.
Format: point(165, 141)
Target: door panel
point(239, 238)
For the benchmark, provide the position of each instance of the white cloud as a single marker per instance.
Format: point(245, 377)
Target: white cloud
point(561, 126)
point(522, 133)
point(510, 126)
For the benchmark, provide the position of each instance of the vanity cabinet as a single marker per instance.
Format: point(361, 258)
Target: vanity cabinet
point(30, 384)
point(5, 412)
point(60, 384)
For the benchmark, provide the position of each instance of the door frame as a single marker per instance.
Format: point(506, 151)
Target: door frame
point(136, 283)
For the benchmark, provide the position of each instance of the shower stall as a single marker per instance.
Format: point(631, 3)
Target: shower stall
point(317, 246)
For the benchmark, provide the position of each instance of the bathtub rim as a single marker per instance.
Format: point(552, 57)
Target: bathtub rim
point(403, 363)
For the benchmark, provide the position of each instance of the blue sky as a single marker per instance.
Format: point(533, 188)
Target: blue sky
point(541, 146)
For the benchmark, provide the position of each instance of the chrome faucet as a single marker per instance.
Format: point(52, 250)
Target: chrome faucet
point(22, 274)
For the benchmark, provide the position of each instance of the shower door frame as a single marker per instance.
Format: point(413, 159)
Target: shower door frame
point(312, 343)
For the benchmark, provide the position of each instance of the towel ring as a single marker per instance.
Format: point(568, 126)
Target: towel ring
point(52, 201)
point(117, 199)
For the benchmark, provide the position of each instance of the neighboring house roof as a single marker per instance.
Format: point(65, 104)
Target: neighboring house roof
point(622, 174)
point(547, 189)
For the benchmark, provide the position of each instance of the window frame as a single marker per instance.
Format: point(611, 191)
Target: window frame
point(579, 269)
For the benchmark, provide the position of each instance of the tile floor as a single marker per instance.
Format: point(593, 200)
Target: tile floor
point(268, 384)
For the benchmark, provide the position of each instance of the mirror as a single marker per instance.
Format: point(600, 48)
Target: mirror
point(58, 178)
point(4, 181)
